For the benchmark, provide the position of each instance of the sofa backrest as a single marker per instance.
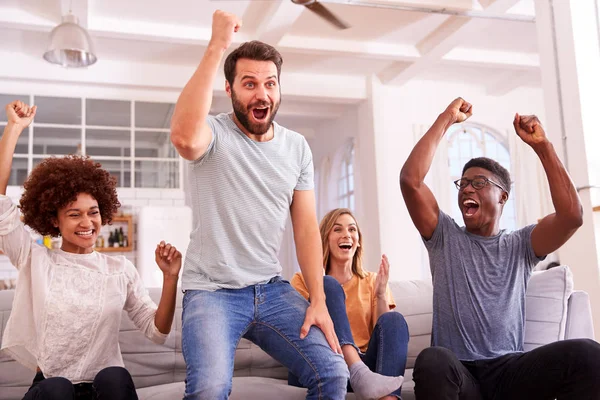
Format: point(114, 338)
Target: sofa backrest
point(414, 300)
point(546, 306)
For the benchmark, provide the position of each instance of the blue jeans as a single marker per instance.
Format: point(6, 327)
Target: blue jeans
point(388, 346)
point(269, 315)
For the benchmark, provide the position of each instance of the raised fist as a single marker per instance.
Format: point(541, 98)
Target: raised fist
point(223, 27)
point(529, 129)
point(19, 113)
point(459, 110)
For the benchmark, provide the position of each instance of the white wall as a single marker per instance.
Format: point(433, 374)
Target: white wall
point(331, 134)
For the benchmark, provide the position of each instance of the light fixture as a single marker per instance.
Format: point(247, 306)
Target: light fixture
point(70, 45)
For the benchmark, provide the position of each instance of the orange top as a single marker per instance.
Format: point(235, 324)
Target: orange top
point(361, 305)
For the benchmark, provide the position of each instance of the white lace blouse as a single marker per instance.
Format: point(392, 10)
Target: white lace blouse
point(67, 307)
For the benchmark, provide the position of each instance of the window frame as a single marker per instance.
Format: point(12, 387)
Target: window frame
point(130, 162)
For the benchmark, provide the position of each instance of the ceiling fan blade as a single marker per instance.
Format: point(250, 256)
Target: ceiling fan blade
point(324, 13)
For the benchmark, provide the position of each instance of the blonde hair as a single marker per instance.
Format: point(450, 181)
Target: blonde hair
point(326, 226)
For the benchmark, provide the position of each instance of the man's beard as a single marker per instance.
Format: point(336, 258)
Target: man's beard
point(242, 114)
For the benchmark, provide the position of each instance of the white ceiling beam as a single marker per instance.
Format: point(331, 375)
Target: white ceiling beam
point(508, 82)
point(349, 48)
point(154, 32)
point(14, 18)
point(17, 18)
point(433, 42)
point(278, 19)
point(471, 8)
point(254, 15)
point(334, 88)
point(514, 60)
point(451, 33)
point(406, 53)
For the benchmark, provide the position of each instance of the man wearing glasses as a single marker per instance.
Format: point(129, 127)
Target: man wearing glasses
point(480, 276)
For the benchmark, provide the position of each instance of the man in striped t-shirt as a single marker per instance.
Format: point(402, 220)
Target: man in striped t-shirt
point(247, 174)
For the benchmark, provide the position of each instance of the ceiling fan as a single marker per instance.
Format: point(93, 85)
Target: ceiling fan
point(323, 12)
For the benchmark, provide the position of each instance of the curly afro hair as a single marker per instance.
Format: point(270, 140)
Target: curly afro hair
point(56, 182)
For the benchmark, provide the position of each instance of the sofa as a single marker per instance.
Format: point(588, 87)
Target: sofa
point(554, 311)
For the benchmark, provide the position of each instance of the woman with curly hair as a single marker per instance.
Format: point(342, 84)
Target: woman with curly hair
point(374, 341)
point(67, 307)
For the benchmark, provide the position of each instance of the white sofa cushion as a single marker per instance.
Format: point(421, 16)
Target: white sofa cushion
point(414, 300)
point(546, 305)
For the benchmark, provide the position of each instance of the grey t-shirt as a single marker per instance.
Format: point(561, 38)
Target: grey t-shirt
point(479, 286)
point(241, 191)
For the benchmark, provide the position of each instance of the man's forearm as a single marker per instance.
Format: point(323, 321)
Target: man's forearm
point(420, 159)
point(193, 105)
point(562, 190)
point(310, 258)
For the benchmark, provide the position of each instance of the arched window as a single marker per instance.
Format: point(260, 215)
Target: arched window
point(468, 141)
point(346, 181)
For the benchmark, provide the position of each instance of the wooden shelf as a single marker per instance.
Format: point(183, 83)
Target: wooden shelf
point(124, 222)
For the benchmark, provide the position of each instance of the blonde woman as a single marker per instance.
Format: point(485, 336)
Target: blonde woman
point(374, 341)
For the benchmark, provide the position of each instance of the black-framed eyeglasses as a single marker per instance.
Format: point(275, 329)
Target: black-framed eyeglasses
point(477, 183)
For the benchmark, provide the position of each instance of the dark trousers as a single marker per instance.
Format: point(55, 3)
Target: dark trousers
point(112, 383)
point(564, 370)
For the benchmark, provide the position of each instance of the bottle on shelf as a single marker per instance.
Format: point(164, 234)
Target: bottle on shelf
point(111, 239)
point(100, 241)
point(120, 235)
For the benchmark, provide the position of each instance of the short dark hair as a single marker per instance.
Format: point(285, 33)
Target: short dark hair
point(254, 50)
point(56, 182)
point(494, 167)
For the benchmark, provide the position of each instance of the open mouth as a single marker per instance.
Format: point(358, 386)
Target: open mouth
point(260, 113)
point(470, 207)
point(85, 234)
point(345, 246)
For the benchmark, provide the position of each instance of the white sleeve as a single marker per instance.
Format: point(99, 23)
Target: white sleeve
point(140, 307)
point(15, 240)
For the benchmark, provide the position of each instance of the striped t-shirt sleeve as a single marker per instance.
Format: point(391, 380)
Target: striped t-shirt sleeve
point(211, 121)
point(306, 179)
